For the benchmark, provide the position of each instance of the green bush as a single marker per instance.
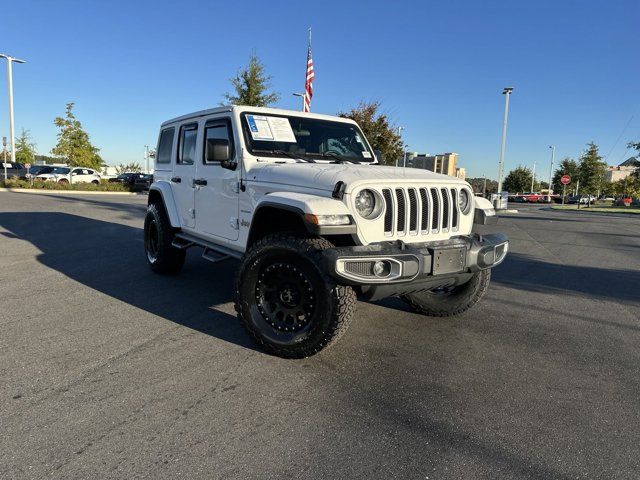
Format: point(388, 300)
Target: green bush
point(104, 186)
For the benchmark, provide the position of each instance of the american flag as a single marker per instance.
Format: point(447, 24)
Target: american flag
point(308, 86)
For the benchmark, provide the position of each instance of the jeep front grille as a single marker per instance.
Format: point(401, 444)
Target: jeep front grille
point(420, 211)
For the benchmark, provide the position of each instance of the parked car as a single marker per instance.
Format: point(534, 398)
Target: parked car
point(295, 197)
point(607, 198)
point(582, 199)
point(142, 182)
point(70, 174)
point(14, 170)
point(35, 170)
point(624, 201)
point(127, 178)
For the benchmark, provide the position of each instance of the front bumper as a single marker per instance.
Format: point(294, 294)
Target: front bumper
point(394, 268)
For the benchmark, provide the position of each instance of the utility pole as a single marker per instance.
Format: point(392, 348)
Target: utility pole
point(507, 93)
point(404, 150)
point(146, 157)
point(553, 157)
point(484, 187)
point(10, 61)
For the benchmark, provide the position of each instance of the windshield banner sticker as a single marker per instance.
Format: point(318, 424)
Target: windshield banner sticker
point(273, 129)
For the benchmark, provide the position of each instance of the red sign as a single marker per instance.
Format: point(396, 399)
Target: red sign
point(565, 180)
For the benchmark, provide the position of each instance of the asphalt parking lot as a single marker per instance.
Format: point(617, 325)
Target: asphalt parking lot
point(110, 371)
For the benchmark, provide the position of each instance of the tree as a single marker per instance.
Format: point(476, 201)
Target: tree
point(518, 180)
point(568, 166)
point(478, 184)
point(251, 84)
point(25, 148)
point(592, 170)
point(73, 142)
point(130, 167)
point(636, 172)
point(377, 127)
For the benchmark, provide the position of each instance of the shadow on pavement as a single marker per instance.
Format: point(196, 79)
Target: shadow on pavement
point(531, 274)
point(109, 258)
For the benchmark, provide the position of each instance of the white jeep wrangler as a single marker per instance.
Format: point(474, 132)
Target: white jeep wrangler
point(301, 201)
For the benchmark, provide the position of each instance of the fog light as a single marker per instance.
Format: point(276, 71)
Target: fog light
point(381, 268)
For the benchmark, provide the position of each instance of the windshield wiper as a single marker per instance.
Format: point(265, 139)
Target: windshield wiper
point(339, 158)
point(286, 154)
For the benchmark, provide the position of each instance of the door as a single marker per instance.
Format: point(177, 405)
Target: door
point(183, 174)
point(217, 195)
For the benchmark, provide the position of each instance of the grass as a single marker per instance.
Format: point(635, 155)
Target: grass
point(103, 186)
point(598, 209)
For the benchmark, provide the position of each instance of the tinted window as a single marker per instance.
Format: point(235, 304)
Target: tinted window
point(217, 131)
point(164, 146)
point(187, 147)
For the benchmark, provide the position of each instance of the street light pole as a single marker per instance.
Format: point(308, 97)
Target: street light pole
point(507, 93)
point(146, 157)
point(10, 61)
point(533, 177)
point(553, 157)
point(404, 150)
point(301, 95)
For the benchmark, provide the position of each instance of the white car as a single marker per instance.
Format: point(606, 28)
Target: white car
point(301, 201)
point(71, 174)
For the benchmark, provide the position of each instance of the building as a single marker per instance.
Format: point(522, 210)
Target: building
point(445, 163)
point(622, 171)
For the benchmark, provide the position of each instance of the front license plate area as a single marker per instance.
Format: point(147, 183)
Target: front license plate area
point(449, 260)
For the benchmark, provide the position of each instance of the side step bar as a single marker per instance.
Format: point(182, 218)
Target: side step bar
point(212, 252)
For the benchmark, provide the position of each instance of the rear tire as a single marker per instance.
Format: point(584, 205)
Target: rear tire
point(162, 256)
point(450, 301)
point(285, 299)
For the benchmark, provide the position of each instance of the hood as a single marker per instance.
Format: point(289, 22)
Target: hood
point(324, 176)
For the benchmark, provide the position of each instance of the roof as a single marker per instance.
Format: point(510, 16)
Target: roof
point(630, 162)
point(265, 110)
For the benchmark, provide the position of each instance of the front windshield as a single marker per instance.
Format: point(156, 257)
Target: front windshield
point(61, 170)
point(307, 138)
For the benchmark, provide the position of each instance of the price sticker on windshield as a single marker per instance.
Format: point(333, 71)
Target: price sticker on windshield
point(270, 129)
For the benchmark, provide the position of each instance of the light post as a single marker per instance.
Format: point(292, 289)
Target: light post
point(533, 177)
point(4, 157)
point(507, 93)
point(553, 157)
point(404, 150)
point(10, 61)
point(301, 95)
point(146, 157)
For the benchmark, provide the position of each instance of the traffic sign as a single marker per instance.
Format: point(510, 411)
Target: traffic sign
point(565, 180)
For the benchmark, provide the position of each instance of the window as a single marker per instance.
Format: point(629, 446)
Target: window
point(164, 146)
point(313, 138)
point(217, 130)
point(187, 147)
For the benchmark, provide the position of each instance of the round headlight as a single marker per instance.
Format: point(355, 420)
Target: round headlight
point(367, 204)
point(464, 202)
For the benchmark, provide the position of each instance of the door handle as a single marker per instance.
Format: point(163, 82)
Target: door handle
point(176, 179)
point(199, 181)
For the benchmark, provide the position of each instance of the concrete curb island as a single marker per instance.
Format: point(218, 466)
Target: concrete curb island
point(44, 191)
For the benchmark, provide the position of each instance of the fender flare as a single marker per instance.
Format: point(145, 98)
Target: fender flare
point(164, 189)
point(302, 204)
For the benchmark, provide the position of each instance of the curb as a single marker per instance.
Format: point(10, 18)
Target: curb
point(44, 191)
point(605, 214)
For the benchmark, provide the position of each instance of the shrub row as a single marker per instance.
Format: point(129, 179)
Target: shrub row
point(104, 186)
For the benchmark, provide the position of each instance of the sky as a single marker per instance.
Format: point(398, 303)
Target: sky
point(438, 67)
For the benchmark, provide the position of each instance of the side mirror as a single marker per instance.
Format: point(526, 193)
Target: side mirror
point(379, 156)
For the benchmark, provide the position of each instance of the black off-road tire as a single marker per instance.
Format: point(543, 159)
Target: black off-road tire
point(161, 255)
point(453, 300)
point(325, 307)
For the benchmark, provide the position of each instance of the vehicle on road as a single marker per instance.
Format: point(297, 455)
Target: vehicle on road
point(301, 200)
point(70, 174)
